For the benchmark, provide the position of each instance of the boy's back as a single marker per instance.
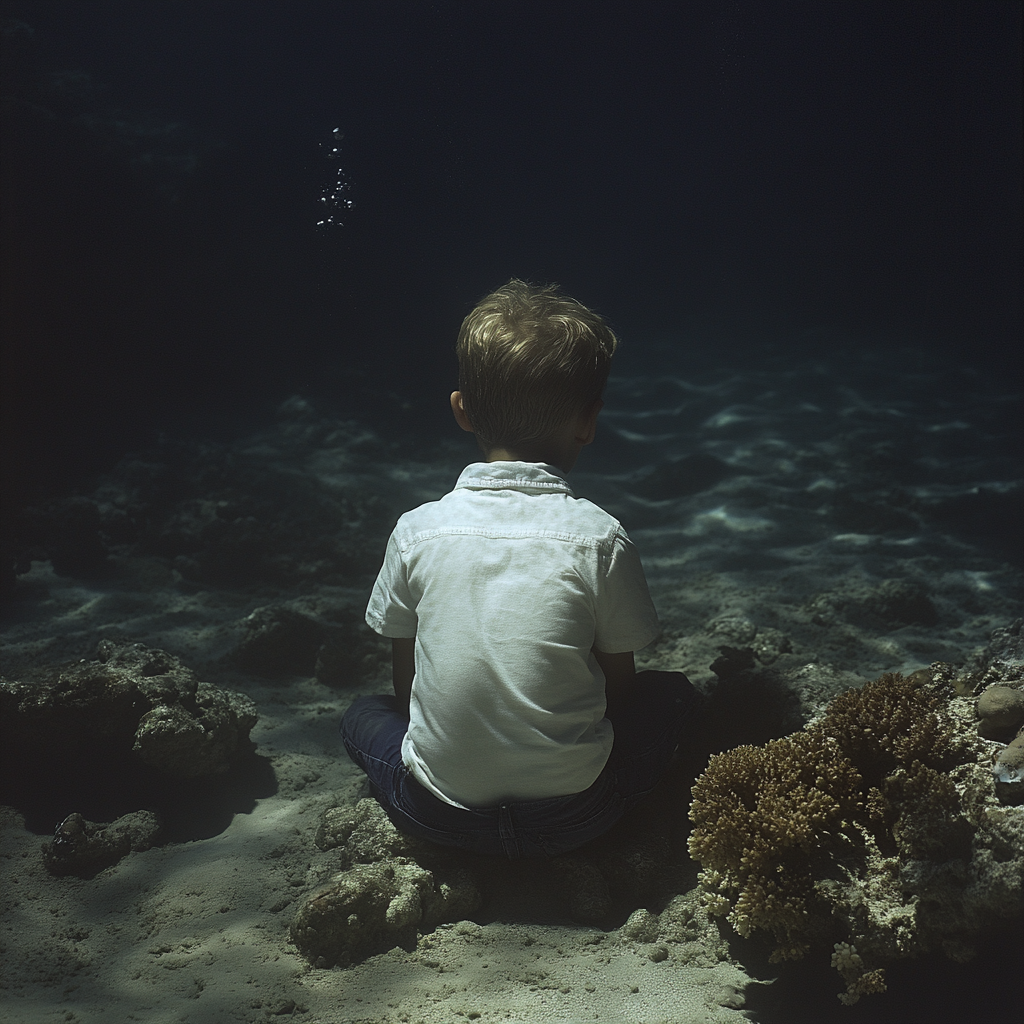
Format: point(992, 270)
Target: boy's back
point(507, 583)
point(519, 724)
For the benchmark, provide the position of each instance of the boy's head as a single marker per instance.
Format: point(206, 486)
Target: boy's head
point(531, 361)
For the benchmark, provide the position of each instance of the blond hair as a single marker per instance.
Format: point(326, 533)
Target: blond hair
point(530, 360)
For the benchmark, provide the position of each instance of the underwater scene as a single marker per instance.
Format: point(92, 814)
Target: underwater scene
point(227, 364)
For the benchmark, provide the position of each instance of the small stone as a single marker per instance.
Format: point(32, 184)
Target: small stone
point(1009, 772)
point(1000, 708)
point(84, 848)
point(657, 954)
point(731, 997)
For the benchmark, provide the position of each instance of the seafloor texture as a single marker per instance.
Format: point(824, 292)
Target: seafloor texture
point(804, 529)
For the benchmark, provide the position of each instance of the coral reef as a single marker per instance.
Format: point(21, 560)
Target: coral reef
point(875, 832)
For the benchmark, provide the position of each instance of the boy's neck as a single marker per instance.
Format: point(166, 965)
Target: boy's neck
point(504, 455)
point(562, 460)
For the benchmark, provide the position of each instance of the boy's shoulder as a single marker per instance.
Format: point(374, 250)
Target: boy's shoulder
point(552, 508)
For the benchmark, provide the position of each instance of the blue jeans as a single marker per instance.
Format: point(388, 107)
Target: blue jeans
point(647, 733)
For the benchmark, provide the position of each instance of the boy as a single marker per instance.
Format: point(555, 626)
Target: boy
point(519, 725)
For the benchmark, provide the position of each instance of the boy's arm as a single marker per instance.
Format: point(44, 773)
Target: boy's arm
point(619, 672)
point(403, 668)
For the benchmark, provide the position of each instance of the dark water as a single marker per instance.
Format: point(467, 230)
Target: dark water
point(802, 219)
point(717, 179)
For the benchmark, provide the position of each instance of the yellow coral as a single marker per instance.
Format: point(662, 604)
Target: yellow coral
point(888, 722)
point(762, 816)
point(776, 826)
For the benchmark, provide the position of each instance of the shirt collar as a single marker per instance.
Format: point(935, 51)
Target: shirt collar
point(539, 477)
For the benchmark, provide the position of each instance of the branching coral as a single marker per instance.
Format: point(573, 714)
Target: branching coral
point(858, 828)
point(763, 829)
point(891, 721)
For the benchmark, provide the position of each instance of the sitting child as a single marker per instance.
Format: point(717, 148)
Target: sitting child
point(519, 725)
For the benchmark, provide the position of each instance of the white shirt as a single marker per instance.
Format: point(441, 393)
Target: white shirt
point(507, 583)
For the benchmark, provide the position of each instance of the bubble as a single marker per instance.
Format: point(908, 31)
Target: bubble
point(335, 198)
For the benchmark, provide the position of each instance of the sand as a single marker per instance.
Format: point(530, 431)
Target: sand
point(787, 552)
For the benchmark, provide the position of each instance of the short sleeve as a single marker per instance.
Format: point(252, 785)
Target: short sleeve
point(626, 619)
point(391, 610)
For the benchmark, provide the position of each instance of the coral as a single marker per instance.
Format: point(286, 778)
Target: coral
point(847, 961)
point(762, 816)
point(891, 721)
point(878, 825)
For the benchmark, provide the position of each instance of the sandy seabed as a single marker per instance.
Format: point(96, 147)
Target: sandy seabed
point(196, 929)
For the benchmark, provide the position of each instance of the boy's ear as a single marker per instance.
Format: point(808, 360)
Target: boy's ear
point(586, 425)
point(460, 413)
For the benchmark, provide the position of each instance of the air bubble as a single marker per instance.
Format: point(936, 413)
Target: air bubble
point(334, 197)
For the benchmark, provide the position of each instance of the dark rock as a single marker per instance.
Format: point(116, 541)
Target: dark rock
point(84, 848)
point(734, 661)
point(889, 604)
point(585, 888)
point(351, 654)
point(904, 602)
point(133, 699)
point(1007, 644)
point(279, 641)
point(373, 907)
point(75, 534)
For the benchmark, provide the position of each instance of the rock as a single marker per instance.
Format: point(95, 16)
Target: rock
point(901, 602)
point(372, 907)
point(1001, 710)
point(1008, 772)
point(641, 926)
point(351, 653)
point(385, 894)
point(294, 639)
point(890, 604)
point(1007, 643)
point(731, 997)
point(75, 534)
point(734, 661)
point(733, 628)
point(279, 641)
point(134, 701)
point(584, 888)
point(84, 848)
point(365, 834)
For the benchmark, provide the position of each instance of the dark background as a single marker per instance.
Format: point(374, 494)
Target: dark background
point(721, 179)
